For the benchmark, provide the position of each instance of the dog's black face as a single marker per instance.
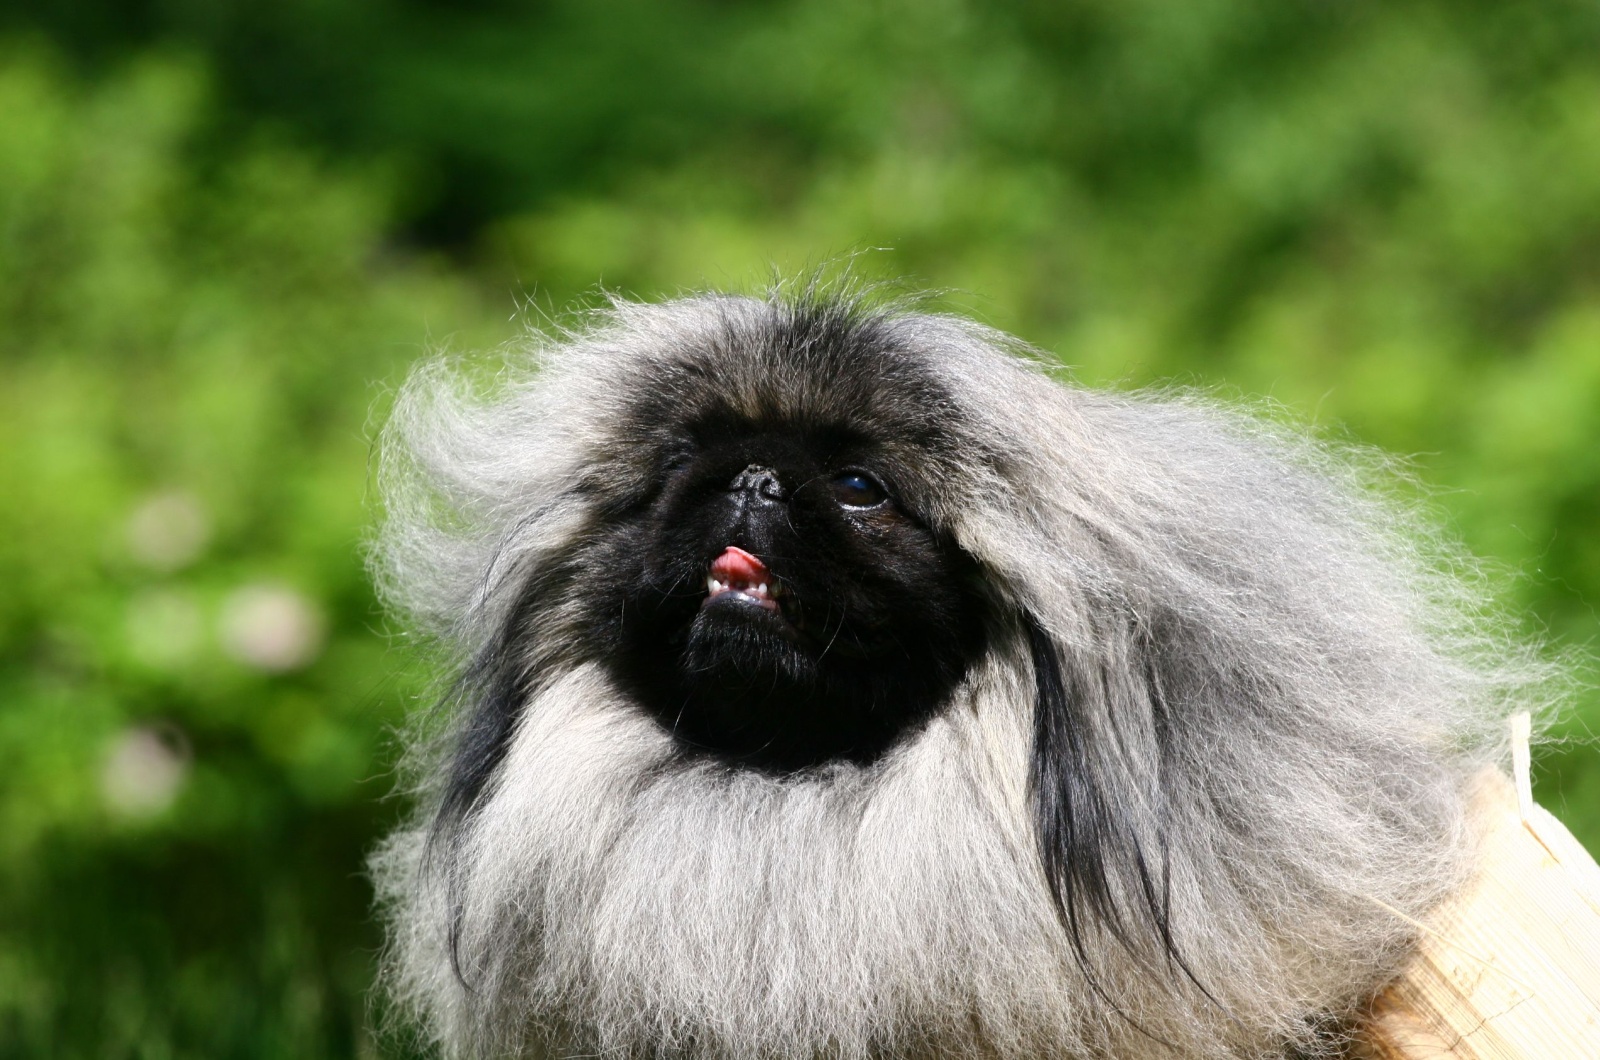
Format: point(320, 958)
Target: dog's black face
point(778, 604)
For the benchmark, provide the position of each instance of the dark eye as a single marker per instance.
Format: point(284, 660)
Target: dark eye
point(854, 489)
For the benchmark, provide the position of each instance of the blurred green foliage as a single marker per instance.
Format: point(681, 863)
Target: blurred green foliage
point(187, 363)
point(225, 229)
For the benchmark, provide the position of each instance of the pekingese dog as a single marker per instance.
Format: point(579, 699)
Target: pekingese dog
point(835, 681)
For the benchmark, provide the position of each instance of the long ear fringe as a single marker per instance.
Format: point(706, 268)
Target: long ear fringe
point(1263, 655)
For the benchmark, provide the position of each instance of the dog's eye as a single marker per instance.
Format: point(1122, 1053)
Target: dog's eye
point(855, 489)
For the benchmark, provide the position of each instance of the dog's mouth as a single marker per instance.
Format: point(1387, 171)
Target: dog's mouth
point(737, 576)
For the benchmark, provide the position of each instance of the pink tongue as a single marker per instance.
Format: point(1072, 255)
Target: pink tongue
point(735, 565)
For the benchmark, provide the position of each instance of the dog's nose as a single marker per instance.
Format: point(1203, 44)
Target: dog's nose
point(758, 481)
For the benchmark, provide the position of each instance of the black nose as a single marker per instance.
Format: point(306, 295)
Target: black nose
point(758, 481)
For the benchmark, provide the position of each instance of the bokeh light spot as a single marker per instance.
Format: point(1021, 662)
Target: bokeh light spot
point(168, 530)
point(144, 770)
point(271, 628)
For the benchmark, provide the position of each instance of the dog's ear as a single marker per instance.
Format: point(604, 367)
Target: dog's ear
point(485, 700)
point(481, 708)
point(524, 636)
point(1100, 732)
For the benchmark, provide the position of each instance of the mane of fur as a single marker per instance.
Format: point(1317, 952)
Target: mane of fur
point(1281, 684)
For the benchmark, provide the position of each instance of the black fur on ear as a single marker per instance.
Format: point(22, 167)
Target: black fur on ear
point(487, 698)
point(1108, 865)
point(488, 695)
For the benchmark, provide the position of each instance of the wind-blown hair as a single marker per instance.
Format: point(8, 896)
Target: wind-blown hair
point(1215, 753)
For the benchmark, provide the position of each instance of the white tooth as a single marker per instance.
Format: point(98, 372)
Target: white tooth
point(761, 590)
point(712, 585)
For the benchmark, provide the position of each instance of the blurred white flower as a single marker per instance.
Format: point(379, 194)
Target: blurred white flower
point(271, 628)
point(168, 530)
point(144, 770)
point(164, 627)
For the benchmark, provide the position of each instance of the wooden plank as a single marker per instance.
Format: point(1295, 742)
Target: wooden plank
point(1509, 969)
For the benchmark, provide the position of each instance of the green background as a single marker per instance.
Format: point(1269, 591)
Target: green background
point(227, 228)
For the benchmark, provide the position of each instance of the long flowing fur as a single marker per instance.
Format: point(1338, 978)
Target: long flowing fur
point(1217, 751)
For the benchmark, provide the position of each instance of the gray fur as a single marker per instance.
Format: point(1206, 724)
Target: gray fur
point(1334, 677)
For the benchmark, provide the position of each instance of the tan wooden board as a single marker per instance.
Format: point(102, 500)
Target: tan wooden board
point(1509, 969)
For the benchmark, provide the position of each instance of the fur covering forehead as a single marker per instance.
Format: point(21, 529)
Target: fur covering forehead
point(1215, 755)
